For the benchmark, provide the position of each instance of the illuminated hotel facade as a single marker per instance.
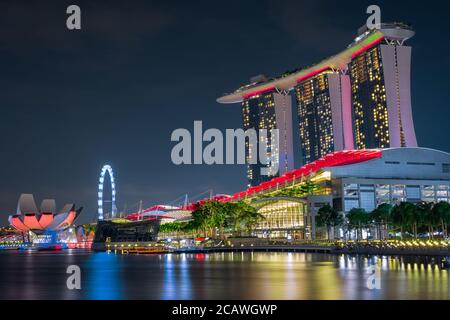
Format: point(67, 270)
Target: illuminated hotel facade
point(380, 89)
point(357, 99)
point(268, 110)
point(324, 114)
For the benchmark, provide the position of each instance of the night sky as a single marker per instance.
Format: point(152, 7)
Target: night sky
point(113, 92)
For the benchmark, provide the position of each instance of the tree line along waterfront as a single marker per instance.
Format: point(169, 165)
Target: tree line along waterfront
point(218, 219)
point(215, 219)
point(406, 220)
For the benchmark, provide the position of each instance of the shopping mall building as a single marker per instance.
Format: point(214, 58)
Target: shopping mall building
point(351, 179)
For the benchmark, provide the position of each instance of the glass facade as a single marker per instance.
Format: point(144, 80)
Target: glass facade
point(258, 112)
point(446, 167)
point(382, 193)
point(368, 196)
point(442, 192)
point(370, 111)
point(428, 193)
point(283, 216)
point(413, 193)
point(315, 117)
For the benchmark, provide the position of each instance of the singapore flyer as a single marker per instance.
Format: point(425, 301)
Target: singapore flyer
point(105, 169)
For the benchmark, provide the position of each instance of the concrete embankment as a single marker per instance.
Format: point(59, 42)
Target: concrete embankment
point(149, 248)
point(329, 249)
point(440, 251)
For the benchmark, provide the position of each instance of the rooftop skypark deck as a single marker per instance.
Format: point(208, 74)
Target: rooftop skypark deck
point(366, 39)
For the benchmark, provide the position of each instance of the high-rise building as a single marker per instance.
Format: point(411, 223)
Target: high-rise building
point(268, 110)
point(380, 89)
point(324, 114)
point(359, 98)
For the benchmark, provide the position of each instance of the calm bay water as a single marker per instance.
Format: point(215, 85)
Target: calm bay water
point(42, 275)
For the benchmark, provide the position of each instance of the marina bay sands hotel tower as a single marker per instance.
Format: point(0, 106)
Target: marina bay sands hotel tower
point(359, 98)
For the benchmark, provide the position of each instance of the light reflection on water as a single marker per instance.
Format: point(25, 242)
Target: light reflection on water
point(104, 278)
point(219, 276)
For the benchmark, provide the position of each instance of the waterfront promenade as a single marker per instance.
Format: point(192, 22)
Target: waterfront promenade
point(396, 247)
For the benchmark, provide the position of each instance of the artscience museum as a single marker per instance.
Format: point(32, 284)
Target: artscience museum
point(29, 218)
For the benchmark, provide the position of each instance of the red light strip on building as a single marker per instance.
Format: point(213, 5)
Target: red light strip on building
point(255, 93)
point(313, 73)
point(367, 47)
point(334, 159)
point(339, 158)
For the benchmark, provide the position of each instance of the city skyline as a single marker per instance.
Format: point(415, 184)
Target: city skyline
point(118, 99)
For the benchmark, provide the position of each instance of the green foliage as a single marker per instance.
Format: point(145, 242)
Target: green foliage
point(403, 214)
point(178, 227)
point(242, 217)
point(234, 216)
point(407, 218)
point(328, 217)
point(358, 218)
point(441, 212)
point(382, 214)
point(305, 189)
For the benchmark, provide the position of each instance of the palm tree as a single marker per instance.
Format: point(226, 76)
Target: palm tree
point(402, 216)
point(382, 217)
point(417, 220)
point(330, 218)
point(441, 212)
point(357, 219)
point(323, 218)
point(425, 210)
point(410, 217)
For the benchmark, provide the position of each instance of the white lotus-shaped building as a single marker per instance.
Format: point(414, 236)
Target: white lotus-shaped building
point(29, 218)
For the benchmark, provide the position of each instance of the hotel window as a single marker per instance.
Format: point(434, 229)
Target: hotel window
point(398, 190)
point(398, 193)
point(413, 192)
point(428, 193)
point(367, 187)
point(351, 191)
point(349, 204)
point(383, 193)
point(446, 167)
point(443, 191)
point(368, 200)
